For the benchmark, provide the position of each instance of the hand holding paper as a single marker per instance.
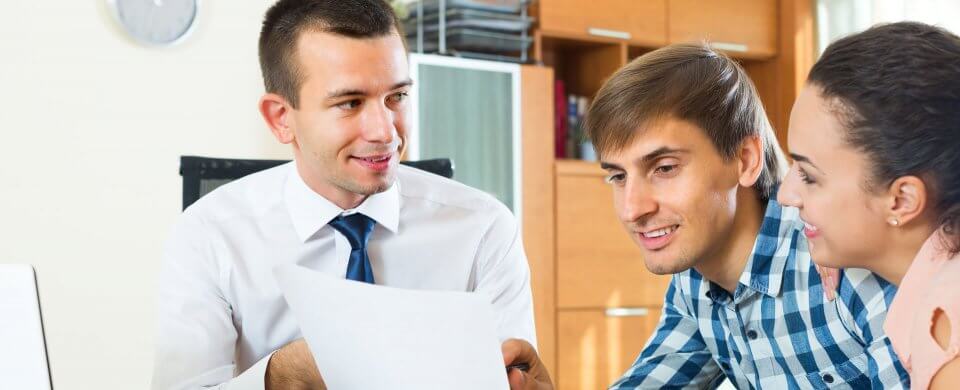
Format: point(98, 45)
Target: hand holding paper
point(373, 337)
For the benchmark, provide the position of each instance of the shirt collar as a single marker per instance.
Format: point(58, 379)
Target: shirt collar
point(776, 245)
point(310, 211)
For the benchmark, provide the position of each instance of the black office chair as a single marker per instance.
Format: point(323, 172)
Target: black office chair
point(204, 174)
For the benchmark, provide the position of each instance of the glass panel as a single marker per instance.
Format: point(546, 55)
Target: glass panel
point(466, 115)
point(839, 18)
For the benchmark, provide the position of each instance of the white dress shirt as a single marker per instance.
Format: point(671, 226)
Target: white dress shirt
point(221, 313)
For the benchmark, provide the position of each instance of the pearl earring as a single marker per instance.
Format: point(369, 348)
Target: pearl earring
point(894, 222)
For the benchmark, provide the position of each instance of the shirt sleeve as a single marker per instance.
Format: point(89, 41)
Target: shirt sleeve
point(196, 338)
point(503, 275)
point(866, 298)
point(676, 356)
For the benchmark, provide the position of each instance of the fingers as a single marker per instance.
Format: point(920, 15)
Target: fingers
point(829, 278)
point(831, 288)
point(517, 379)
point(517, 351)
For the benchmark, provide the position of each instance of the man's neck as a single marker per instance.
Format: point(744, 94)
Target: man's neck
point(725, 265)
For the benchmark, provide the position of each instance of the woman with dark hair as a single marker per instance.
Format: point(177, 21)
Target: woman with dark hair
point(875, 139)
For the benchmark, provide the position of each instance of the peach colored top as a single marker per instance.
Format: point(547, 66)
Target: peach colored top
point(932, 282)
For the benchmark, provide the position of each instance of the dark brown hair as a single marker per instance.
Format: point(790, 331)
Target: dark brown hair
point(896, 90)
point(287, 19)
point(690, 82)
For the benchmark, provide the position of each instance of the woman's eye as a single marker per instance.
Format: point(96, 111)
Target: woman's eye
point(804, 176)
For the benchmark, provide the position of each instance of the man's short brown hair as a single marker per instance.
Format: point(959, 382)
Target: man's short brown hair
point(690, 82)
point(287, 19)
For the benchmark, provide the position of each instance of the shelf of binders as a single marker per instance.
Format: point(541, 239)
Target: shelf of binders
point(491, 29)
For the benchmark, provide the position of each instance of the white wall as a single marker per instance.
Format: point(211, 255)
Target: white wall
point(92, 126)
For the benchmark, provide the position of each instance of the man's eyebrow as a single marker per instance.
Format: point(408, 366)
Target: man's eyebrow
point(659, 152)
point(359, 92)
point(647, 158)
point(609, 166)
point(402, 84)
point(346, 92)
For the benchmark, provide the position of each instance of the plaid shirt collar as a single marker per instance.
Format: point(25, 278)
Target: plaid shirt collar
point(764, 271)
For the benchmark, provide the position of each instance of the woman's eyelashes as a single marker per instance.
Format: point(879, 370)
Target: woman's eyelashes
point(804, 176)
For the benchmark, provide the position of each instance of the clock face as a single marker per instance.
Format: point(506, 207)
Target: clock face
point(156, 22)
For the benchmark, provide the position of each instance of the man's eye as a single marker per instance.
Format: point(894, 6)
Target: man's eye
point(615, 178)
point(400, 97)
point(666, 169)
point(350, 104)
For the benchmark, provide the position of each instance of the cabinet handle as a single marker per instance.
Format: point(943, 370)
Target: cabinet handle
point(627, 312)
point(738, 47)
point(602, 32)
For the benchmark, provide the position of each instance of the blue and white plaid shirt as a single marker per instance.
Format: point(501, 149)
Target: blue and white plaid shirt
point(777, 331)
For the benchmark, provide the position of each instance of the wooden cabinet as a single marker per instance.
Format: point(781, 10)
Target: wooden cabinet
point(743, 28)
point(598, 346)
point(608, 304)
point(598, 265)
point(642, 22)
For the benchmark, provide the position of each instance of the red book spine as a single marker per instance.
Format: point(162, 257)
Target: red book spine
point(560, 119)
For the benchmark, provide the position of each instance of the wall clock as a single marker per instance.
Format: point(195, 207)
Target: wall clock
point(156, 22)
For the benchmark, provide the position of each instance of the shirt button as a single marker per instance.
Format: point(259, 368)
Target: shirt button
point(828, 378)
point(752, 334)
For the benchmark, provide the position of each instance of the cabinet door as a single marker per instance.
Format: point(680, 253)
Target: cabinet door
point(637, 21)
point(598, 265)
point(743, 28)
point(596, 347)
point(468, 111)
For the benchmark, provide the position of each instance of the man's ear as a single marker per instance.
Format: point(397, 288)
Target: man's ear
point(750, 161)
point(907, 200)
point(275, 109)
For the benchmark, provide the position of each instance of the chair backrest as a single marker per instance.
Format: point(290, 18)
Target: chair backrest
point(204, 174)
point(23, 348)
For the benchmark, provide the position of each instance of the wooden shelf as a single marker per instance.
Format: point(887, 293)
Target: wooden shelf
point(583, 64)
point(588, 38)
point(571, 167)
point(632, 21)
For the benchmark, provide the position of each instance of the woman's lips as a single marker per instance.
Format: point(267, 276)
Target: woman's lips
point(810, 231)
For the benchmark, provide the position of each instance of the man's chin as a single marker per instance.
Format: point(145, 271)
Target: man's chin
point(372, 187)
point(665, 265)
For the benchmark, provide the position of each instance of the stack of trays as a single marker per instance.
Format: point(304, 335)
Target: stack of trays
point(486, 29)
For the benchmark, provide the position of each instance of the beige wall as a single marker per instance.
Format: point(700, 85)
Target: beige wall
point(92, 126)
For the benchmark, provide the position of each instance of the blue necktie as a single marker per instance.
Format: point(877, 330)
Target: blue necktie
point(356, 228)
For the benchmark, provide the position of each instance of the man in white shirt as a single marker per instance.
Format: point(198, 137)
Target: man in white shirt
point(336, 78)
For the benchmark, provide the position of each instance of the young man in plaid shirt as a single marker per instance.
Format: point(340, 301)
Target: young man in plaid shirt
point(695, 166)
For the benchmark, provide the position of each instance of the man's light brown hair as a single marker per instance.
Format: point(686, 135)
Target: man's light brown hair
point(689, 82)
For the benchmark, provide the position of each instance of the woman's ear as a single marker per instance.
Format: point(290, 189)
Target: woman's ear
point(750, 160)
point(907, 200)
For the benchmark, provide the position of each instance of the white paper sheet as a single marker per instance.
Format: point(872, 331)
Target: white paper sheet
point(374, 337)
